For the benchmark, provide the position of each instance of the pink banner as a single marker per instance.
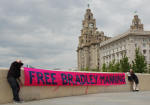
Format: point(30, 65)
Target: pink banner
point(39, 77)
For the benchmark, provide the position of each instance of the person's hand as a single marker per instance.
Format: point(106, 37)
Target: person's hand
point(21, 84)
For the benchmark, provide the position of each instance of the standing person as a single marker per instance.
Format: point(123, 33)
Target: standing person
point(13, 78)
point(133, 78)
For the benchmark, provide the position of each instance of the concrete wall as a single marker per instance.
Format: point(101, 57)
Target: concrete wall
point(43, 92)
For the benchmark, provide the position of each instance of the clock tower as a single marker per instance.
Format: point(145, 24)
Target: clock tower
point(89, 23)
point(89, 41)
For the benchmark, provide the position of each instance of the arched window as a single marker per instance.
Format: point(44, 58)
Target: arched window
point(89, 17)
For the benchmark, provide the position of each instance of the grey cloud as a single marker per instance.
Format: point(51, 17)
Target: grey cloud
point(44, 33)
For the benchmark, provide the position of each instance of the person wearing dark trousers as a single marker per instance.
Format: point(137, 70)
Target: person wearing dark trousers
point(134, 79)
point(13, 78)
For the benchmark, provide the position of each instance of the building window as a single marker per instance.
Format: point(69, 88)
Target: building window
point(144, 45)
point(144, 51)
point(145, 57)
point(120, 48)
point(122, 54)
point(117, 55)
point(109, 57)
point(144, 40)
point(135, 45)
point(125, 52)
point(89, 17)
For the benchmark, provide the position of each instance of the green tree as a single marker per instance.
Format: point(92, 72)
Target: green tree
point(96, 70)
point(116, 67)
point(149, 68)
point(85, 69)
point(124, 64)
point(139, 64)
point(104, 68)
point(111, 66)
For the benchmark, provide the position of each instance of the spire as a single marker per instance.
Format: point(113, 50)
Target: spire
point(88, 5)
point(89, 23)
point(135, 12)
point(136, 23)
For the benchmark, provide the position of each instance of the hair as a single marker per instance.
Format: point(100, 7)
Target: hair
point(131, 71)
point(19, 61)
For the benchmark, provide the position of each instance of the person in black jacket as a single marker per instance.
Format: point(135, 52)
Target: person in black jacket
point(13, 78)
point(133, 78)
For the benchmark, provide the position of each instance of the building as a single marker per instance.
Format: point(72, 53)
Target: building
point(88, 48)
point(126, 44)
point(95, 48)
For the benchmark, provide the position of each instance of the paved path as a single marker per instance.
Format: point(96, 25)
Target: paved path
point(125, 98)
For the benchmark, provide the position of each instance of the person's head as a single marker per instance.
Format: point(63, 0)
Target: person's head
point(17, 64)
point(18, 61)
point(131, 71)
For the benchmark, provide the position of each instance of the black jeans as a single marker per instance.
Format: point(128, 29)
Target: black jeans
point(15, 88)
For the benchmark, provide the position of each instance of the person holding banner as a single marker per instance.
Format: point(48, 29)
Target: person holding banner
point(134, 79)
point(13, 78)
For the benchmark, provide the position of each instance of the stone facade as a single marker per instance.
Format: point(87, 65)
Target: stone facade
point(95, 48)
point(126, 44)
point(88, 48)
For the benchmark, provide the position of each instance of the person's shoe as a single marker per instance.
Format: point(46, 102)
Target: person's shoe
point(133, 90)
point(21, 100)
point(136, 90)
point(16, 102)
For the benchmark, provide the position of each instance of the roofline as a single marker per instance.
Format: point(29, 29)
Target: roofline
point(129, 32)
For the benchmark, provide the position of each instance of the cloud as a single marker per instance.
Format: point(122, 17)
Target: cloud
point(44, 33)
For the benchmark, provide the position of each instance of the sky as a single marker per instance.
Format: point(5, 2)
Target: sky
point(44, 33)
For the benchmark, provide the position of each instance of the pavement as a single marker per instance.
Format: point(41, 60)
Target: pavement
point(124, 98)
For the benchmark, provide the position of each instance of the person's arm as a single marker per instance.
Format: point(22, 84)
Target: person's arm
point(20, 82)
point(129, 77)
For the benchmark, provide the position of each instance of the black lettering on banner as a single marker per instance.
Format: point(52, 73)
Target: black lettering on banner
point(46, 78)
point(116, 79)
point(119, 78)
point(102, 78)
point(70, 77)
point(64, 78)
point(112, 79)
point(91, 79)
point(77, 79)
point(82, 79)
point(123, 79)
point(53, 78)
point(107, 80)
point(86, 79)
point(95, 77)
point(31, 76)
point(40, 77)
